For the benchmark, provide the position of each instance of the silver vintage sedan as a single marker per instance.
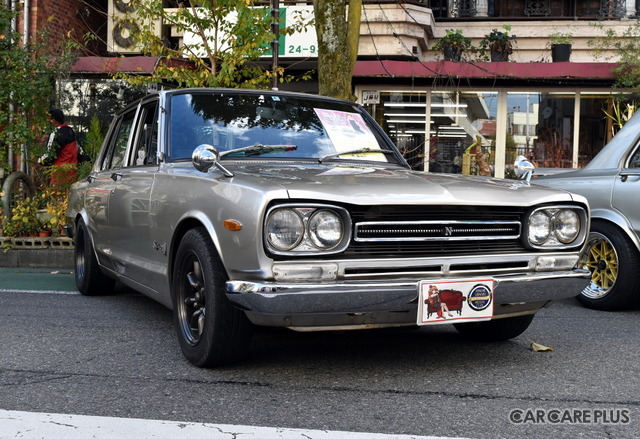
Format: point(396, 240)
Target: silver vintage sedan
point(237, 208)
point(611, 183)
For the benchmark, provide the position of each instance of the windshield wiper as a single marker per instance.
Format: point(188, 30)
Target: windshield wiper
point(355, 151)
point(258, 149)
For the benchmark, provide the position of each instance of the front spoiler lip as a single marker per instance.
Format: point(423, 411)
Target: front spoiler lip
point(363, 297)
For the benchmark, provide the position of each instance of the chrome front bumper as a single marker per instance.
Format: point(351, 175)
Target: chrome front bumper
point(279, 303)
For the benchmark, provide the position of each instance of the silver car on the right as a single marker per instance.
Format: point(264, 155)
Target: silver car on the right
point(611, 183)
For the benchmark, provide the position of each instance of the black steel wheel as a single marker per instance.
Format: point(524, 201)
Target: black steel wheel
point(495, 330)
point(90, 281)
point(613, 261)
point(211, 332)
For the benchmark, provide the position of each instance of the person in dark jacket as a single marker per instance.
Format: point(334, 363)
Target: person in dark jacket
point(62, 149)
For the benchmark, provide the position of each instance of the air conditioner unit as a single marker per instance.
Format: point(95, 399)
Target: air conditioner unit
point(122, 24)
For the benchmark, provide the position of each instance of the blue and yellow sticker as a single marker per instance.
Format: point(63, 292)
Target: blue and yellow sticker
point(479, 297)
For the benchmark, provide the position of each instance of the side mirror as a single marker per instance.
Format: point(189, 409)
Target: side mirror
point(205, 156)
point(523, 168)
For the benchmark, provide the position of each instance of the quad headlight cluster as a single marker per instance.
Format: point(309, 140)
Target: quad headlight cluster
point(556, 227)
point(307, 229)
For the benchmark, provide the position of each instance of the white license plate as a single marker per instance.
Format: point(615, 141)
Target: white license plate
point(455, 301)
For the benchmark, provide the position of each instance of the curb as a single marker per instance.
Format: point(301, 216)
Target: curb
point(37, 258)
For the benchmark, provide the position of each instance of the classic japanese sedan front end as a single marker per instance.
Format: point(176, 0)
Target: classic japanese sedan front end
point(611, 183)
point(237, 208)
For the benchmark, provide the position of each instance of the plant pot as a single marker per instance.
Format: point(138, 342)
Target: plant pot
point(560, 52)
point(452, 53)
point(44, 233)
point(499, 55)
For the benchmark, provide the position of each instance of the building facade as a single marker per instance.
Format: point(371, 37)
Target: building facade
point(434, 109)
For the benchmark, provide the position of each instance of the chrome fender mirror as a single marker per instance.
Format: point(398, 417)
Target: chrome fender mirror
point(523, 168)
point(205, 156)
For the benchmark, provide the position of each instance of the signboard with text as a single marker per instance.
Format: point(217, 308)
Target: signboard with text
point(303, 44)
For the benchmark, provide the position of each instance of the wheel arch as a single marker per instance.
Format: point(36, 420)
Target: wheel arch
point(618, 221)
point(84, 217)
point(187, 223)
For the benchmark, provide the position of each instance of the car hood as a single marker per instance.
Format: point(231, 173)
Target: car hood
point(368, 185)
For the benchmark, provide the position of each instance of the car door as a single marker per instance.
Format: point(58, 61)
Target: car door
point(626, 190)
point(133, 251)
point(101, 185)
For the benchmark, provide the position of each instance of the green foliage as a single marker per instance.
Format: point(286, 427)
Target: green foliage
point(626, 47)
point(620, 113)
point(94, 138)
point(498, 40)
point(453, 38)
point(25, 85)
point(561, 37)
point(226, 36)
point(453, 44)
point(24, 219)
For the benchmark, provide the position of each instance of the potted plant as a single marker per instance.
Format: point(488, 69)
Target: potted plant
point(453, 44)
point(561, 44)
point(499, 44)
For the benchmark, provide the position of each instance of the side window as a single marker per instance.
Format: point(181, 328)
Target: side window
point(146, 146)
point(634, 161)
point(118, 143)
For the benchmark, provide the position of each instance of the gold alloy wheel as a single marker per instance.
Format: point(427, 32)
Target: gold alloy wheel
point(601, 259)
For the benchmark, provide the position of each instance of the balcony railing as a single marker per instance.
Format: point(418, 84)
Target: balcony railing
point(513, 9)
point(530, 9)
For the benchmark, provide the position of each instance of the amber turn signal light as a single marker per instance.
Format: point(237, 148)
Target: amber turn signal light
point(233, 225)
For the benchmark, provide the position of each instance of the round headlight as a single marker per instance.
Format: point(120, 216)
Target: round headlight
point(284, 229)
point(539, 228)
point(567, 226)
point(325, 229)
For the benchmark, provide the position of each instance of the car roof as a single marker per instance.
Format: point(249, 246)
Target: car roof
point(164, 93)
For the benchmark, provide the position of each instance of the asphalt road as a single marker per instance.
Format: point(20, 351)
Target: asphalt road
point(118, 356)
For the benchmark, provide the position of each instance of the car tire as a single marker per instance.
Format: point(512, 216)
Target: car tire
point(495, 330)
point(90, 281)
point(211, 331)
point(614, 262)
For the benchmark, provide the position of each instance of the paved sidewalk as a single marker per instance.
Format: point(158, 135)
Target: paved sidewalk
point(36, 279)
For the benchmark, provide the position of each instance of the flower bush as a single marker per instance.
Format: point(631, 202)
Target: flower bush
point(43, 212)
point(24, 219)
point(56, 208)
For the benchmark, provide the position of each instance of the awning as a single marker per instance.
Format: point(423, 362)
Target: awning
point(130, 64)
point(485, 70)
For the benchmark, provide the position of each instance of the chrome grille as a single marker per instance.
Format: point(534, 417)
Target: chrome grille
point(376, 240)
point(435, 230)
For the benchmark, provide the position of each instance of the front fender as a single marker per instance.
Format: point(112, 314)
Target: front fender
point(619, 220)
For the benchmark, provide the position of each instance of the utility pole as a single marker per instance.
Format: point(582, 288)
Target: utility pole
point(275, 43)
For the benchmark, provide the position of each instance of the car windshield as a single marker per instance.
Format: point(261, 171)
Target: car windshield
point(264, 125)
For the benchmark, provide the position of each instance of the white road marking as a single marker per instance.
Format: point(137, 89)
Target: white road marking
point(40, 291)
point(27, 425)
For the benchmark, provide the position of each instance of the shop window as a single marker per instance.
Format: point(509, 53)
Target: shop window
point(458, 119)
point(403, 117)
point(598, 121)
point(540, 127)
